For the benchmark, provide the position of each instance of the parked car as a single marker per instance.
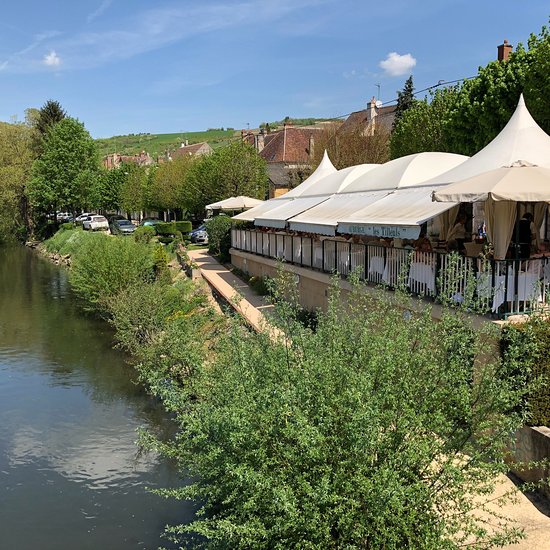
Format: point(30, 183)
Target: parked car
point(149, 222)
point(83, 216)
point(63, 216)
point(122, 227)
point(199, 235)
point(114, 217)
point(94, 223)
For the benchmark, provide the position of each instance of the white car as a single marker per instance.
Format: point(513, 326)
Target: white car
point(96, 222)
point(83, 216)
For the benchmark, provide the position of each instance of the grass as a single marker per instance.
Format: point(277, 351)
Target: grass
point(157, 144)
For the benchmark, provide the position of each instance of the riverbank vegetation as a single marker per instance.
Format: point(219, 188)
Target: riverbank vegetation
point(377, 428)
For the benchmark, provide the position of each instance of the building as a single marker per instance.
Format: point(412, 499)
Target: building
point(288, 153)
point(114, 160)
point(368, 120)
point(194, 150)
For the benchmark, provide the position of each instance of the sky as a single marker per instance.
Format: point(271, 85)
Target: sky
point(170, 66)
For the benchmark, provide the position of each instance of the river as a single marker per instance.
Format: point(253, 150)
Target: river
point(70, 473)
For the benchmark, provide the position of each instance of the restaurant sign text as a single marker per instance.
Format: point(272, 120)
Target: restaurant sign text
point(382, 231)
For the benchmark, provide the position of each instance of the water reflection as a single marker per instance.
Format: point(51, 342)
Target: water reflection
point(69, 471)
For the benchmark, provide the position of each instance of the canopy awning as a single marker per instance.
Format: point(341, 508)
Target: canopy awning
point(521, 139)
point(399, 214)
point(324, 169)
point(250, 215)
point(277, 217)
point(323, 218)
point(520, 182)
point(234, 203)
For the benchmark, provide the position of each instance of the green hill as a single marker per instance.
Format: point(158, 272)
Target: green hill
point(157, 144)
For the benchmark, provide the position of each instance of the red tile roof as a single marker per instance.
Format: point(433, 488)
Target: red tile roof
point(289, 145)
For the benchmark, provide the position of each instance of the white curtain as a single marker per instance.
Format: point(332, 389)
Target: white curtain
point(447, 221)
point(501, 220)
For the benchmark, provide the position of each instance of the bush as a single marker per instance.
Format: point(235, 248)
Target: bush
point(219, 236)
point(144, 234)
point(160, 264)
point(165, 228)
point(66, 226)
point(526, 350)
point(103, 266)
point(261, 285)
point(183, 226)
point(350, 436)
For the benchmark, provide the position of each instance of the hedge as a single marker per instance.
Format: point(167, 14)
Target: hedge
point(170, 228)
point(526, 346)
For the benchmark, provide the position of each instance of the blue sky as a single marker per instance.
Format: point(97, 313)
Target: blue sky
point(157, 66)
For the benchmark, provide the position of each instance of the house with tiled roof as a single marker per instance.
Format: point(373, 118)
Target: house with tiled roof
point(368, 120)
point(194, 150)
point(288, 153)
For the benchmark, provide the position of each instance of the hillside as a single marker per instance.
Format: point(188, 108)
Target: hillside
point(157, 144)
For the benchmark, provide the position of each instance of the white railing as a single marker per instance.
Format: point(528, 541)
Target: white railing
point(504, 286)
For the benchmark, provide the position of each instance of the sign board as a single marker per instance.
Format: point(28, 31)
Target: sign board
point(382, 231)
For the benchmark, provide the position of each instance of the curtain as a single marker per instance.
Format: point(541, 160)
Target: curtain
point(501, 220)
point(447, 221)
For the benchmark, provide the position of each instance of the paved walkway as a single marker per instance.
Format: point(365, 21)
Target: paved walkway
point(523, 513)
point(233, 289)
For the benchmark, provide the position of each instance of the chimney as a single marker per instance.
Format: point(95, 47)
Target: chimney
point(260, 143)
point(311, 146)
point(504, 51)
point(372, 116)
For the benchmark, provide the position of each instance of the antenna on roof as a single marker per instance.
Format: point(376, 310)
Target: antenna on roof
point(378, 86)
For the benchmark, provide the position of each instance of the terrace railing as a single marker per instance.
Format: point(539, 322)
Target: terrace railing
point(504, 287)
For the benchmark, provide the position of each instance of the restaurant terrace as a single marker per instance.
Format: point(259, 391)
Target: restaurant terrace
point(400, 221)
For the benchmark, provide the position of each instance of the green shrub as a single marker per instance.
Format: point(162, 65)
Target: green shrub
point(68, 241)
point(165, 240)
point(103, 266)
point(526, 350)
point(219, 236)
point(165, 228)
point(364, 433)
point(66, 226)
point(144, 234)
point(183, 226)
point(160, 264)
point(260, 285)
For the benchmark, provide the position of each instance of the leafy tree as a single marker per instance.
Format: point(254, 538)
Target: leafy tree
point(234, 170)
point(405, 100)
point(106, 193)
point(63, 175)
point(168, 182)
point(134, 192)
point(423, 126)
point(15, 167)
point(367, 432)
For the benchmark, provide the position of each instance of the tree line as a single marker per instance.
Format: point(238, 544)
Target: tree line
point(466, 117)
point(50, 163)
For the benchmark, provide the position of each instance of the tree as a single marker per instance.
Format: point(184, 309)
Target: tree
point(134, 191)
point(367, 432)
point(236, 169)
point(44, 120)
point(15, 167)
point(62, 176)
point(423, 126)
point(106, 193)
point(405, 100)
point(352, 147)
point(168, 182)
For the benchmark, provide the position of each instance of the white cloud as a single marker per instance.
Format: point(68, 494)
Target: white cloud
point(52, 59)
point(397, 65)
point(99, 11)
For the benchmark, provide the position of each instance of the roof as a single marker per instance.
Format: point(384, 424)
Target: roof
point(361, 119)
point(289, 145)
point(190, 149)
point(522, 139)
point(277, 217)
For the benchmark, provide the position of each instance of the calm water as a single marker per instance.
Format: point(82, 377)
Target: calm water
point(70, 475)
